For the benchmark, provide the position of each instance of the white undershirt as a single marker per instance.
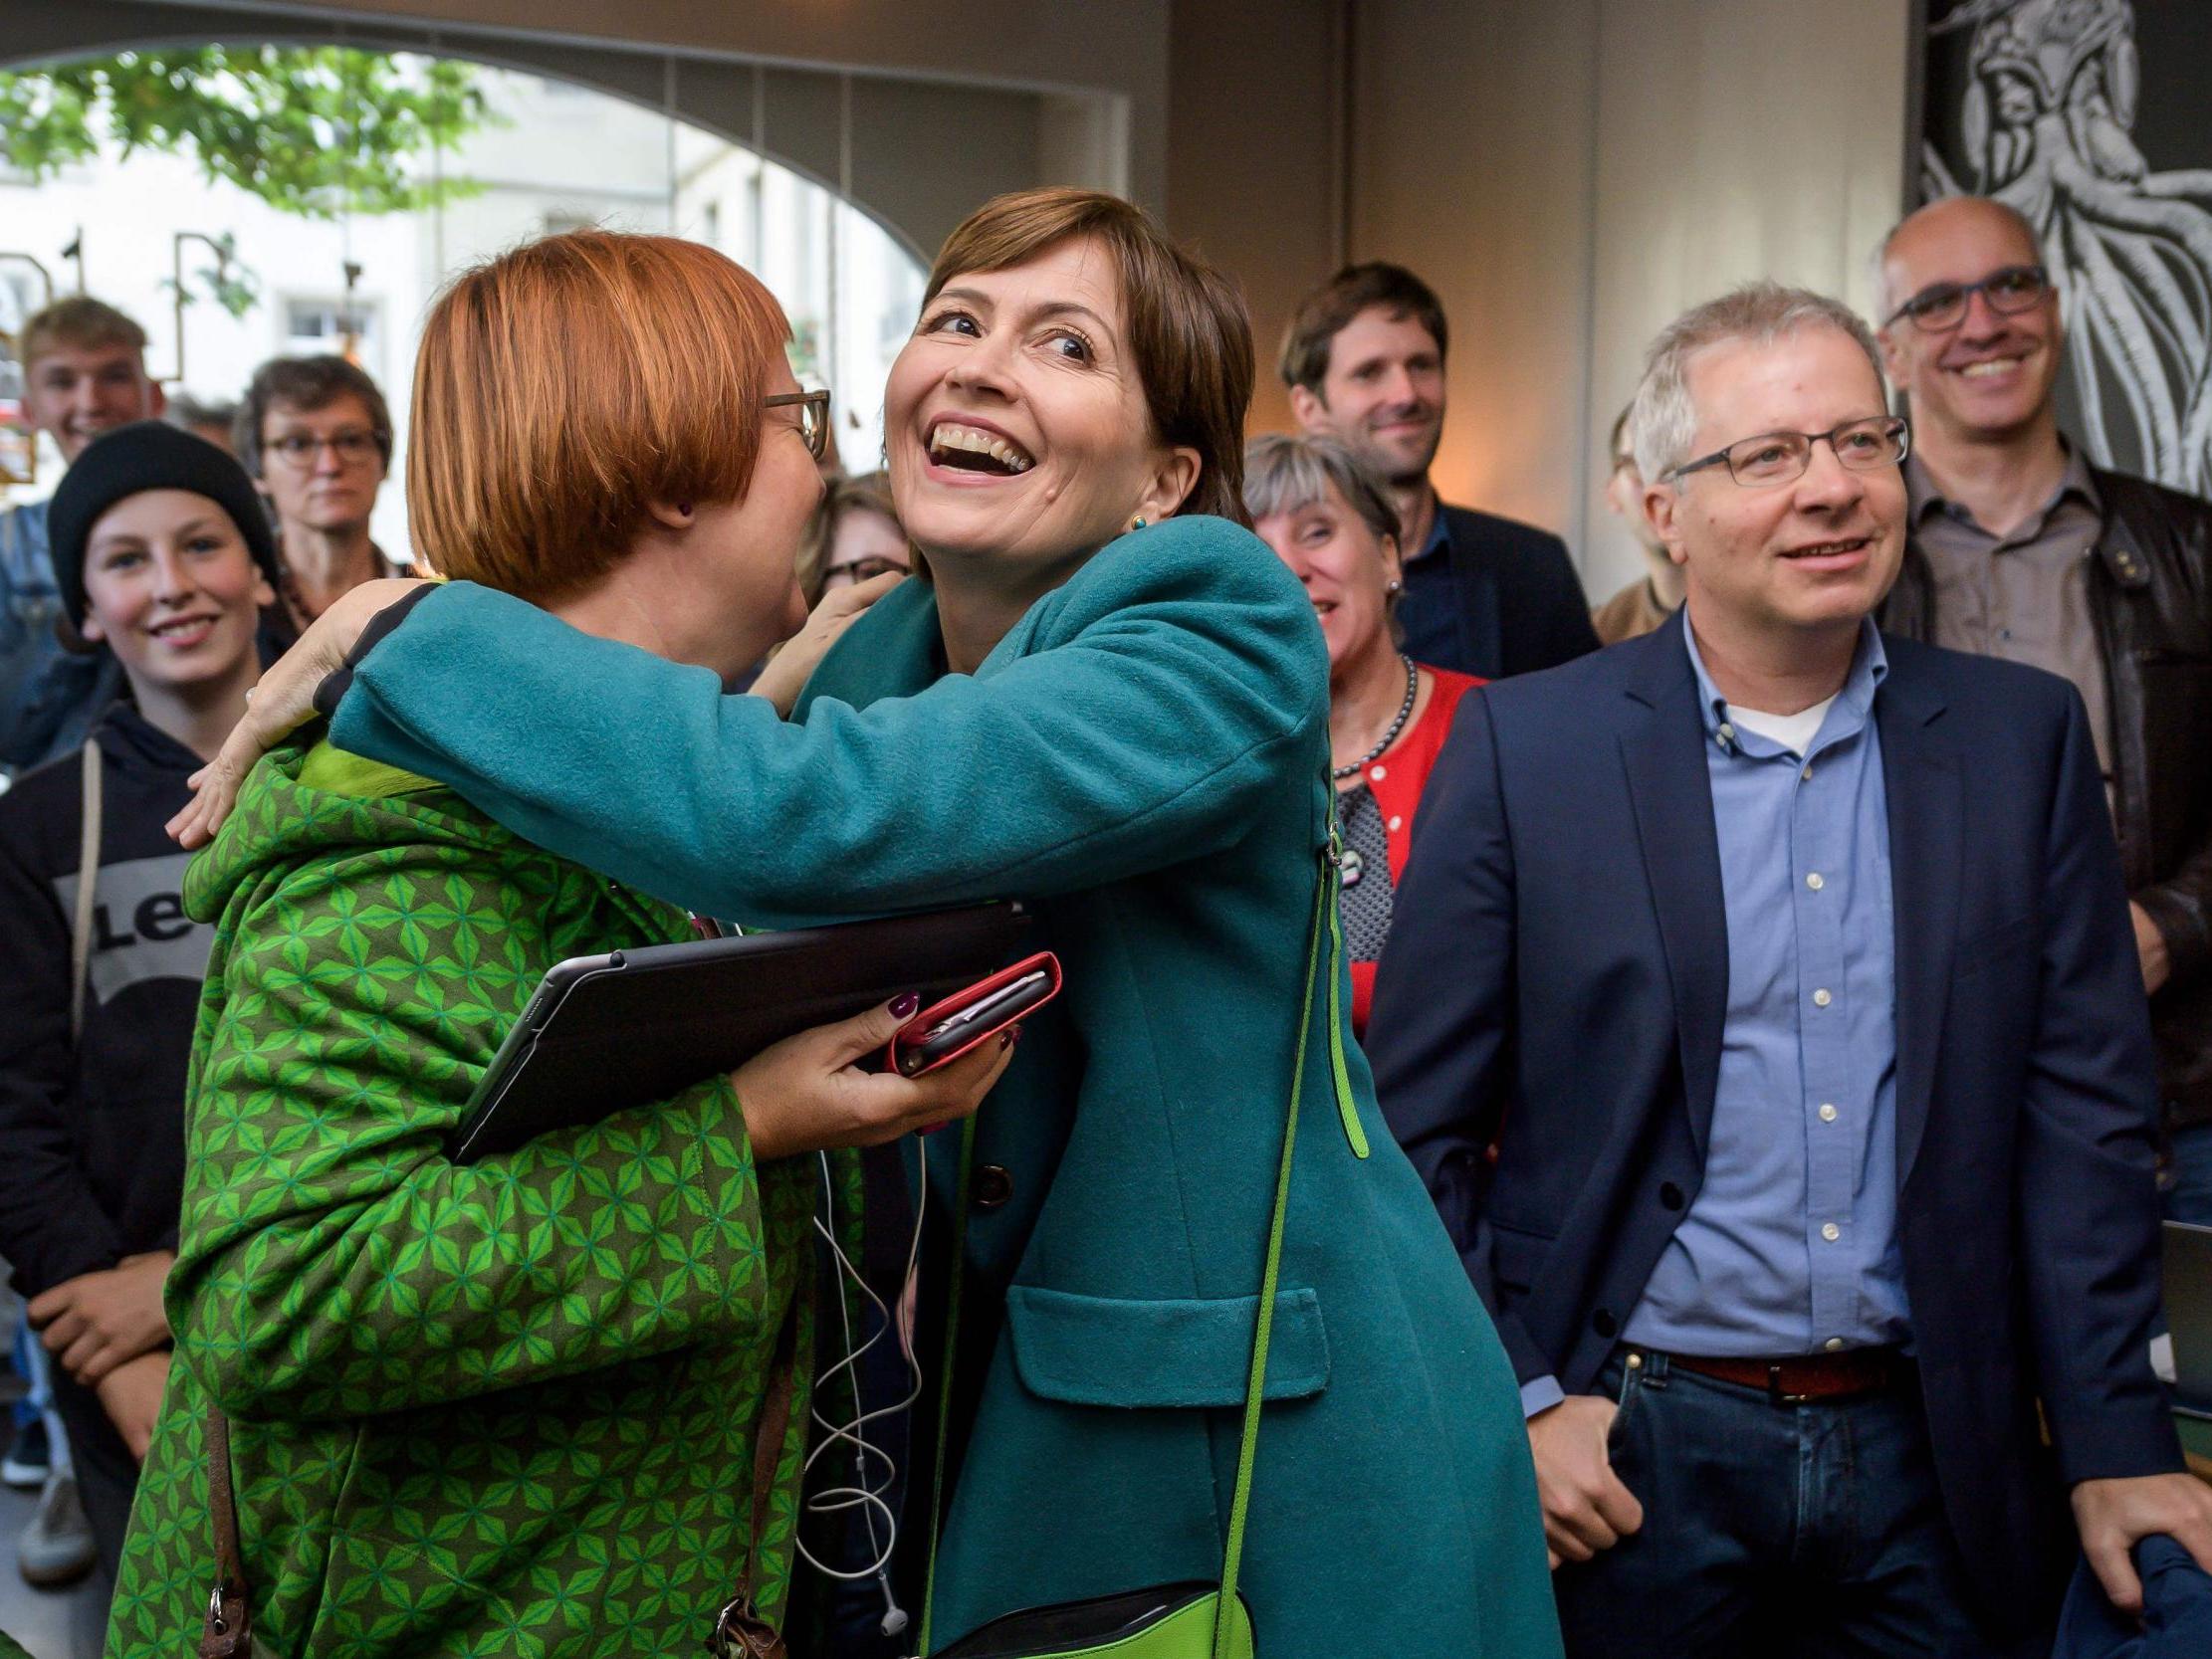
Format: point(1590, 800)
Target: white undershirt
point(1792, 732)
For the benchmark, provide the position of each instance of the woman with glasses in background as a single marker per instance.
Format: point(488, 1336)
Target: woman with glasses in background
point(314, 435)
point(854, 536)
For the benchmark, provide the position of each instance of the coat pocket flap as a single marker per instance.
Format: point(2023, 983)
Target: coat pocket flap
point(1515, 1256)
point(1111, 1351)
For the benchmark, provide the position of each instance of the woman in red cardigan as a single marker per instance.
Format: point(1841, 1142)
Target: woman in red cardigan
point(1330, 519)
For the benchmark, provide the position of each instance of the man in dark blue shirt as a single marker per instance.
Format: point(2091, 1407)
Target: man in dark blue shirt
point(1762, 1013)
point(1364, 361)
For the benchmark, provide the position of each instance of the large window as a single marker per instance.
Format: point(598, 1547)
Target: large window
point(558, 156)
point(334, 328)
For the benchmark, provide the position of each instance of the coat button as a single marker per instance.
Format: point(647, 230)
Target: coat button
point(992, 1186)
point(1604, 1323)
point(1670, 1196)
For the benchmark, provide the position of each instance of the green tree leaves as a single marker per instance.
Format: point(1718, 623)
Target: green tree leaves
point(320, 131)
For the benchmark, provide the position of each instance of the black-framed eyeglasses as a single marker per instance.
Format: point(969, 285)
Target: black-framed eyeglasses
point(813, 417)
point(864, 569)
point(300, 449)
point(1775, 458)
point(1941, 306)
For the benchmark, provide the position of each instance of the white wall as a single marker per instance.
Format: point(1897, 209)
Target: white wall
point(1570, 174)
point(1252, 161)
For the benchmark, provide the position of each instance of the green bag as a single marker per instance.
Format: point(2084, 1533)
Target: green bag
point(1193, 1620)
point(1172, 1622)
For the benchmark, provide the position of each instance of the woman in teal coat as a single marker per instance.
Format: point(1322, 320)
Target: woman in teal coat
point(1115, 707)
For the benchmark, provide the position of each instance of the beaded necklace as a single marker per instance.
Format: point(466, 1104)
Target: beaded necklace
point(1405, 713)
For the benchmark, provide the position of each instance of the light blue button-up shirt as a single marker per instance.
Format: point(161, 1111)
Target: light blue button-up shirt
point(1791, 1244)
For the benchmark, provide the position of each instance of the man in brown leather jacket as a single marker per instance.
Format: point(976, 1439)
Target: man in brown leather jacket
point(2020, 548)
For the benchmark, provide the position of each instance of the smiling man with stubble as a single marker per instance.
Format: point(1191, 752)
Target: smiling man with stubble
point(2020, 548)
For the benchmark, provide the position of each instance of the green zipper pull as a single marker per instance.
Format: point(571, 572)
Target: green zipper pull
point(1331, 877)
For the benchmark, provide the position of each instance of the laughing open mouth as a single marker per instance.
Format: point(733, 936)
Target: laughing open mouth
point(969, 449)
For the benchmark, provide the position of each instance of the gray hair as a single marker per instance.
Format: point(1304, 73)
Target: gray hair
point(187, 411)
point(1283, 474)
point(1663, 421)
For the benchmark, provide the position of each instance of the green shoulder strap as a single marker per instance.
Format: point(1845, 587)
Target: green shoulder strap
point(1324, 920)
point(1347, 1106)
point(1255, 1388)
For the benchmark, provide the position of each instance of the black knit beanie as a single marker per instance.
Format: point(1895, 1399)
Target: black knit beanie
point(147, 455)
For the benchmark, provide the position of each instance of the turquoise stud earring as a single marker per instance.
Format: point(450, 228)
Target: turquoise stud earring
point(1139, 524)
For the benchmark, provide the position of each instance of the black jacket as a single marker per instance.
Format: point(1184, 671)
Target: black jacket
point(1556, 985)
point(92, 1134)
point(1498, 598)
point(2150, 594)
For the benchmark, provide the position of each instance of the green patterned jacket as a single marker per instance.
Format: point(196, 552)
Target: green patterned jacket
point(503, 1409)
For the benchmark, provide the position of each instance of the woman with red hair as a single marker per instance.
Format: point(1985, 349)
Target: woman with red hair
point(1106, 696)
point(518, 1406)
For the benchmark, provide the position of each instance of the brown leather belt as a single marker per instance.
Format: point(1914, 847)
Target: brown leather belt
point(1800, 1379)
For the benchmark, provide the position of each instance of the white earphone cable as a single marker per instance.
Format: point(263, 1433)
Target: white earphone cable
point(867, 1492)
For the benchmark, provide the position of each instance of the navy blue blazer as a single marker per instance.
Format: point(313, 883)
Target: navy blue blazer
point(1520, 605)
point(1547, 1026)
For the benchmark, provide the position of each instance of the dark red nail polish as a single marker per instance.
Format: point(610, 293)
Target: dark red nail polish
point(906, 1007)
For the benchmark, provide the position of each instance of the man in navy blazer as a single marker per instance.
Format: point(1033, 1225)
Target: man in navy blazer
point(1762, 1013)
point(1364, 359)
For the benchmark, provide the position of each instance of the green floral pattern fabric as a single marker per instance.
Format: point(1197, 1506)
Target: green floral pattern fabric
point(501, 1409)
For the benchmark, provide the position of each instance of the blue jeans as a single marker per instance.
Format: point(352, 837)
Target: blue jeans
point(15, 1323)
point(1782, 1532)
point(2185, 1184)
point(30, 1362)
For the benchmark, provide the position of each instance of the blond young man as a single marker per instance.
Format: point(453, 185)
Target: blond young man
point(85, 373)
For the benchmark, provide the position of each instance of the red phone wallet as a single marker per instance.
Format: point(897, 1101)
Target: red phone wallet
point(918, 1027)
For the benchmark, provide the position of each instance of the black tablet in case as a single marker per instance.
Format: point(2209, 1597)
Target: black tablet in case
point(634, 1028)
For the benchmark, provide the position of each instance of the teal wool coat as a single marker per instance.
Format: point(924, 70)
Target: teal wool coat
point(1145, 759)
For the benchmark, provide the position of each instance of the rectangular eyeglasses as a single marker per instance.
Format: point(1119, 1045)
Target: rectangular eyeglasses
point(1776, 458)
point(813, 417)
point(1941, 306)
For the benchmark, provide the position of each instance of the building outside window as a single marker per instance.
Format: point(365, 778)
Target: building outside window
point(558, 156)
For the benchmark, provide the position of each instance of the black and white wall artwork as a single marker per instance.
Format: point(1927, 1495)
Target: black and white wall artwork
point(2091, 118)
